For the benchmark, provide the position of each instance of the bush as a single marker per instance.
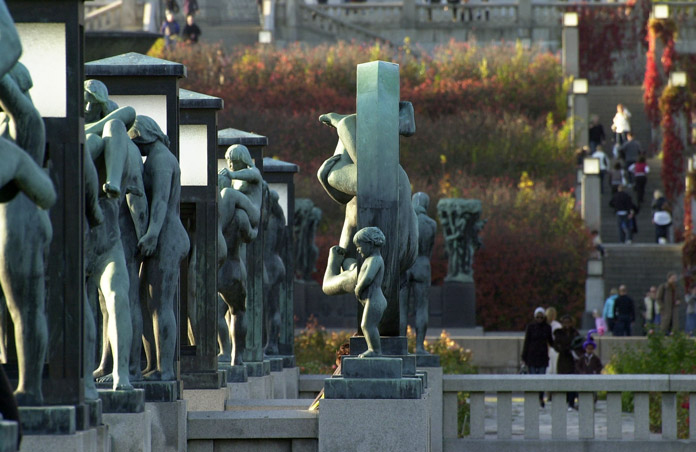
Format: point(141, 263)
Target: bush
point(674, 354)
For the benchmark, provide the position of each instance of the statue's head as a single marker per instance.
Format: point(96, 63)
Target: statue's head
point(238, 157)
point(420, 202)
point(145, 131)
point(368, 238)
point(96, 100)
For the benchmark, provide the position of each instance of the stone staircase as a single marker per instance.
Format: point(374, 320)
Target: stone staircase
point(646, 231)
point(639, 266)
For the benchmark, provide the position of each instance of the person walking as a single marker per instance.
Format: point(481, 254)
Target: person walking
point(617, 176)
point(603, 165)
point(608, 311)
point(661, 217)
point(169, 29)
point(625, 211)
point(624, 313)
point(691, 311)
point(639, 171)
point(535, 350)
point(630, 151)
point(596, 133)
point(563, 343)
point(551, 315)
point(191, 31)
point(621, 124)
point(651, 310)
point(669, 296)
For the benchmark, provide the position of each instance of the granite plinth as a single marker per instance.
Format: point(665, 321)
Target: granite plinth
point(427, 360)
point(206, 399)
point(159, 391)
point(130, 431)
point(424, 378)
point(373, 388)
point(458, 305)
point(229, 136)
point(134, 64)
point(131, 401)
point(193, 99)
point(203, 380)
point(234, 374)
point(288, 361)
point(258, 368)
point(169, 429)
point(276, 364)
point(9, 430)
point(48, 420)
point(80, 441)
point(374, 425)
point(391, 345)
point(371, 367)
point(261, 387)
point(94, 410)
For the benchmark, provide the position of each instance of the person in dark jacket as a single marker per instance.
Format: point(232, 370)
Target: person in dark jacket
point(624, 313)
point(563, 343)
point(535, 351)
point(625, 211)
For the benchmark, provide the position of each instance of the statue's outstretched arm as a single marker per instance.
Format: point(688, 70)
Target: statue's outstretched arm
point(247, 175)
point(135, 192)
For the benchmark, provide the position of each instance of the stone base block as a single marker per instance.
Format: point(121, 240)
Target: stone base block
point(391, 345)
point(288, 361)
point(373, 388)
point(371, 367)
point(48, 420)
point(258, 368)
point(206, 399)
point(132, 401)
point(292, 382)
point(168, 425)
point(435, 399)
point(427, 360)
point(82, 441)
point(130, 432)
point(238, 390)
point(279, 386)
point(95, 409)
point(160, 391)
point(384, 425)
point(234, 374)
point(261, 387)
point(458, 305)
point(276, 363)
point(9, 431)
point(203, 380)
point(103, 438)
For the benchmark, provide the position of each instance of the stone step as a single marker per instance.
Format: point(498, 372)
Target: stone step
point(639, 266)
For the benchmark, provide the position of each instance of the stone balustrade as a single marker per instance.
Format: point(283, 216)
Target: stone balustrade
point(104, 15)
point(503, 386)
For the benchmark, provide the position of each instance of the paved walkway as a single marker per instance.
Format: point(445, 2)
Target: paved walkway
point(545, 420)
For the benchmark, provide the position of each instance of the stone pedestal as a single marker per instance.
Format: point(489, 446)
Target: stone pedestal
point(372, 378)
point(368, 424)
point(237, 391)
point(292, 382)
point(48, 420)
point(81, 441)
point(130, 432)
point(261, 387)
point(9, 430)
point(434, 374)
point(458, 305)
point(278, 377)
point(206, 399)
point(168, 425)
point(129, 424)
point(392, 347)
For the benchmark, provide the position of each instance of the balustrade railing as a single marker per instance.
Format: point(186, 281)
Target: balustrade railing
point(103, 15)
point(503, 387)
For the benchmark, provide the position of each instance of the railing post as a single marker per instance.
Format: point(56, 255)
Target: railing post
point(128, 15)
point(531, 415)
point(614, 415)
point(504, 414)
point(692, 415)
point(408, 14)
point(641, 416)
point(669, 415)
point(449, 415)
point(525, 20)
point(291, 17)
point(559, 419)
point(477, 415)
point(586, 415)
